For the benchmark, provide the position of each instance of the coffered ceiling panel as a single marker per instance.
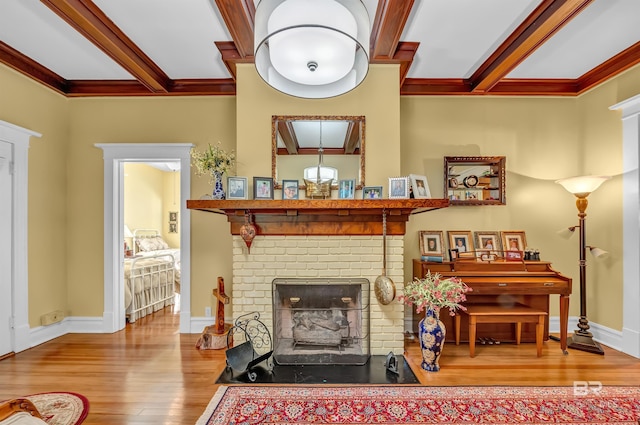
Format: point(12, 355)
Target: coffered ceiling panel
point(443, 47)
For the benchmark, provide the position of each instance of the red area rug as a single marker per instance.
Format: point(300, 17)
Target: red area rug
point(61, 408)
point(421, 405)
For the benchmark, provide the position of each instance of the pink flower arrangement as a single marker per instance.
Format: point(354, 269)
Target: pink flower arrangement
point(433, 292)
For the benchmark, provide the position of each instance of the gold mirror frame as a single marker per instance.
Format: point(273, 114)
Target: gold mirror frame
point(356, 119)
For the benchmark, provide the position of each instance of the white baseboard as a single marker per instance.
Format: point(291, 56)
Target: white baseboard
point(41, 334)
point(604, 335)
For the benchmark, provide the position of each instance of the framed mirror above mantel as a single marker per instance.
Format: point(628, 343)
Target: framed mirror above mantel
point(296, 140)
point(475, 180)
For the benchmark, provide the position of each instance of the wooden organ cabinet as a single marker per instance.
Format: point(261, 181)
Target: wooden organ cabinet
point(502, 282)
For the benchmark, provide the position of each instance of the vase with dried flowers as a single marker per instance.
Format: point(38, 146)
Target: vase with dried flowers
point(431, 294)
point(213, 161)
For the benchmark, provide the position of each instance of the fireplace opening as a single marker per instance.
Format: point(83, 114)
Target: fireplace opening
point(321, 321)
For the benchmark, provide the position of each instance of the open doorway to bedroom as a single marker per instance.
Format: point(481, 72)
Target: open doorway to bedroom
point(116, 156)
point(152, 261)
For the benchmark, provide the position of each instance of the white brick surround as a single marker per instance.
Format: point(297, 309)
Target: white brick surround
point(320, 257)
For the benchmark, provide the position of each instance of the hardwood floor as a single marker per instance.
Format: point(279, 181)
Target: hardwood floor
point(150, 373)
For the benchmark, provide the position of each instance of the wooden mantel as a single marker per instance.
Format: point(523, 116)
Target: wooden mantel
point(320, 216)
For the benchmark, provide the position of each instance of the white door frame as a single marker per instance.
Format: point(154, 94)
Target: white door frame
point(115, 155)
point(19, 137)
point(630, 109)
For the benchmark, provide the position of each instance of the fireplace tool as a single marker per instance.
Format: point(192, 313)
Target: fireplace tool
point(384, 287)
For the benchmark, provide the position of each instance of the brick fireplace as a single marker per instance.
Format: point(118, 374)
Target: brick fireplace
point(320, 239)
point(279, 257)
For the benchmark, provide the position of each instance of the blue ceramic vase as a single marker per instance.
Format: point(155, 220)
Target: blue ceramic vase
point(431, 332)
point(218, 190)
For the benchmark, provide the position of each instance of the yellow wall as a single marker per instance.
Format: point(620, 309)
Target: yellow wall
point(149, 195)
point(25, 103)
point(376, 98)
point(543, 139)
point(198, 120)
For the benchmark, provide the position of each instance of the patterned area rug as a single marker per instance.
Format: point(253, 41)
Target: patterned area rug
point(419, 405)
point(61, 408)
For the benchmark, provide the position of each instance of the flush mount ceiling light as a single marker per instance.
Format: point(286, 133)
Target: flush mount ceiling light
point(312, 49)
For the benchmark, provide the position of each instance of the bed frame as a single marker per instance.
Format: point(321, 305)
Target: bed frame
point(151, 282)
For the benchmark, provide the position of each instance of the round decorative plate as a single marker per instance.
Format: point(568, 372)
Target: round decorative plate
point(470, 181)
point(453, 182)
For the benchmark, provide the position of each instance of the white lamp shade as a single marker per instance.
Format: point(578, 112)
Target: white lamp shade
point(598, 253)
point(312, 49)
point(566, 233)
point(326, 174)
point(583, 185)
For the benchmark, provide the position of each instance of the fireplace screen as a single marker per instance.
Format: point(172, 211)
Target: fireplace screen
point(321, 321)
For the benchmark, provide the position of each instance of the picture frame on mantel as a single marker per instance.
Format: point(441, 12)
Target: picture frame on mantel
point(262, 188)
point(237, 188)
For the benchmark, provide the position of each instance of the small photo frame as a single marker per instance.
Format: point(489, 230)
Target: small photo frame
point(236, 188)
point(347, 189)
point(488, 241)
point(173, 216)
point(513, 256)
point(173, 227)
point(419, 186)
point(486, 256)
point(431, 243)
point(462, 241)
point(290, 189)
point(453, 255)
point(262, 188)
point(398, 188)
point(513, 240)
point(372, 192)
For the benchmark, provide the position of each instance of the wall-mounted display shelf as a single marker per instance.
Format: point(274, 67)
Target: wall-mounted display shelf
point(475, 180)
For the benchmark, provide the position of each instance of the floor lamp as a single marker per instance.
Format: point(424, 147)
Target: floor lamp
point(581, 187)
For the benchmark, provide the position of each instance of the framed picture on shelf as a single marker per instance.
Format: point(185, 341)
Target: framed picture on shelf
point(462, 241)
point(372, 192)
point(262, 188)
point(453, 254)
point(431, 243)
point(513, 256)
point(347, 189)
point(419, 186)
point(398, 188)
point(489, 241)
point(237, 188)
point(513, 240)
point(290, 189)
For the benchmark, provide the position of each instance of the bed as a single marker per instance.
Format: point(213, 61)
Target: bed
point(149, 243)
point(151, 275)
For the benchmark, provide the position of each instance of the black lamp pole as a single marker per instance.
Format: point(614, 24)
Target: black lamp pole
point(582, 339)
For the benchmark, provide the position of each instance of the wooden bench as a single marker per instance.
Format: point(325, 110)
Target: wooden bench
point(497, 313)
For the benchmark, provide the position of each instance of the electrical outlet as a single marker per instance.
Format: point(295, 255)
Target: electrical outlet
point(207, 311)
point(51, 318)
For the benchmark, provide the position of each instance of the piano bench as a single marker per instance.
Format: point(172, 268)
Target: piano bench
point(498, 313)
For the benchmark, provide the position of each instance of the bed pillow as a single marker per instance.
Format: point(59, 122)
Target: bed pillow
point(152, 244)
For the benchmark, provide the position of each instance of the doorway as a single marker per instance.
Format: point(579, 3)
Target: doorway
point(14, 282)
point(115, 156)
